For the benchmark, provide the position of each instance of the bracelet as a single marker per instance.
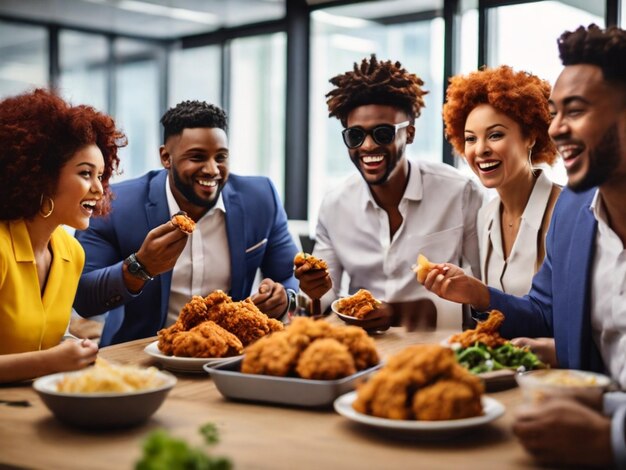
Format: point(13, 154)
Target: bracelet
point(292, 301)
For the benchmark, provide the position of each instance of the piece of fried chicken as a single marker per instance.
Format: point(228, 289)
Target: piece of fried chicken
point(166, 336)
point(361, 346)
point(275, 355)
point(325, 359)
point(394, 391)
point(314, 263)
point(486, 332)
point(244, 320)
point(208, 339)
point(359, 305)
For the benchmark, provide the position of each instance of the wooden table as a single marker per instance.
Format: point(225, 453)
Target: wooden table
point(251, 435)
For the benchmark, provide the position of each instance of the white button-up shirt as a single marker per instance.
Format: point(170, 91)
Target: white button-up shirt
point(204, 264)
point(608, 295)
point(438, 208)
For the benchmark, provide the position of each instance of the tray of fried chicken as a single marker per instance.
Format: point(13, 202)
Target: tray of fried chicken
point(308, 364)
point(210, 329)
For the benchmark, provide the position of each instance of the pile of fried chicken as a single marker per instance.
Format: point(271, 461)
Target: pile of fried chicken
point(215, 326)
point(311, 349)
point(422, 382)
point(486, 332)
point(358, 305)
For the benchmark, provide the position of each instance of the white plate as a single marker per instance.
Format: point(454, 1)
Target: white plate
point(183, 364)
point(492, 409)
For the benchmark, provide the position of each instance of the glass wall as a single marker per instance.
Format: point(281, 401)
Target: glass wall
point(337, 42)
point(83, 60)
point(23, 58)
point(195, 74)
point(136, 108)
point(257, 107)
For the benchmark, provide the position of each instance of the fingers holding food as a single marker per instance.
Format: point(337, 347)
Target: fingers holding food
point(422, 268)
point(183, 222)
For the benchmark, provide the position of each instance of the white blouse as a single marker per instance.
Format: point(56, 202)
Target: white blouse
point(513, 275)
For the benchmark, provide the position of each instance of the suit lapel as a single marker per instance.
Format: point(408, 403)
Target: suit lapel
point(235, 225)
point(157, 213)
point(580, 258)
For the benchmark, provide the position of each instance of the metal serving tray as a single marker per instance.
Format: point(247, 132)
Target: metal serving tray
point(291, 391)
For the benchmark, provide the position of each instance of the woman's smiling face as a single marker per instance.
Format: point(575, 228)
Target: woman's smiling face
point(495, 148)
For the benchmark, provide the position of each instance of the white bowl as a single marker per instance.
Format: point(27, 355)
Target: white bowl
point(569, 383)
point(102, 410)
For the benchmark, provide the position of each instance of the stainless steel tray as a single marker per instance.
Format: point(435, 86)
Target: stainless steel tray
point(292, 391)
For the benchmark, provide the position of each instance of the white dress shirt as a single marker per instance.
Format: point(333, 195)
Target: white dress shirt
point(204, 264)
point(439, 209)
point(515, 274)
point(608, 295)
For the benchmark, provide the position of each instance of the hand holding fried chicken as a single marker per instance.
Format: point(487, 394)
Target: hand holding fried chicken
point(158, 253)
point(451, 283)
point(313, 275)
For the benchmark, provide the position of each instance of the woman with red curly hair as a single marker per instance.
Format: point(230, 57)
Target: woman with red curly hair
point(498, 120)
point(55, 164)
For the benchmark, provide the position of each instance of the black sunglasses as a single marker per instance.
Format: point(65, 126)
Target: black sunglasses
point(383, 134)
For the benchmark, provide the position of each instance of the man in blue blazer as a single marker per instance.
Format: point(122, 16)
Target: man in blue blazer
point(579, 294)
point(141, 269)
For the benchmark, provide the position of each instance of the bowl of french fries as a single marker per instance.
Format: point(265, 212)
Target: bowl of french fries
point(105, 395)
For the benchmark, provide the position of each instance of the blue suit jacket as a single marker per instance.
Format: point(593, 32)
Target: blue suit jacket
point(253, 213)
point(558, 303)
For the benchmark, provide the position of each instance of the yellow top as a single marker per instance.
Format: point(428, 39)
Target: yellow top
point(28, 320)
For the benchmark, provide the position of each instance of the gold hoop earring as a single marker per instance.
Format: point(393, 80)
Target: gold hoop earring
point(42, 213)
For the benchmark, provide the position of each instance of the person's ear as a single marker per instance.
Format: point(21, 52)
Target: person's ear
point(410, 133)
point(166, 159)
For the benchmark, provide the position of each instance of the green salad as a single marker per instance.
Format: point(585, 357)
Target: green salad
point(481, 358)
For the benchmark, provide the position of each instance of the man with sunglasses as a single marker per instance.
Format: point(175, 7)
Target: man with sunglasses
point(373, 227)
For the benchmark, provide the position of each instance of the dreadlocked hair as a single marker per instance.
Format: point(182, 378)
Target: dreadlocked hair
point(191, 114)
point(592, 45)
point(374, 82)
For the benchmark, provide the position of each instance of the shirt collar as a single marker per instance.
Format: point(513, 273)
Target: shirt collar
point(597, 208)
point(22, 248)
point(412, 192)
point(174, 208)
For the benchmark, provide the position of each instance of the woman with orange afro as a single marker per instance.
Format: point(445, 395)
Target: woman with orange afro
point(55, 164)
point(498, 120)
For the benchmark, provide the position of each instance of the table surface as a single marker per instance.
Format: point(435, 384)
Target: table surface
point(252, 435)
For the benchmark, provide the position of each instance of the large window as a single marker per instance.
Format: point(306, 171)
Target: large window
point(539, 24)
point(83, 63)
point(257, 107)
point(338, 41)
point(23, 58)
point(137, 105)
point(195, 75)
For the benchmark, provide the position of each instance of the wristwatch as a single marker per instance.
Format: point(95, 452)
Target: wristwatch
point(135, 268)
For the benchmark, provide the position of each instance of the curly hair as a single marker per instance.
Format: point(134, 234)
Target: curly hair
point(190, 114)
point(39, 133)
point(592, 45)
point(522, 96)
point(375, 82)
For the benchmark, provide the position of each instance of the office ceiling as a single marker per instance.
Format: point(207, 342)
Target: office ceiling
point(159, 19)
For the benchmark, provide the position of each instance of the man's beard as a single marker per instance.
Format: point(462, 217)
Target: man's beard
point(390, 165)
point(603, 160)
point(187, 191)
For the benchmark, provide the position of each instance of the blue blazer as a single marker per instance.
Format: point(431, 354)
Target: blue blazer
point(253, 213)
point(558, 303)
